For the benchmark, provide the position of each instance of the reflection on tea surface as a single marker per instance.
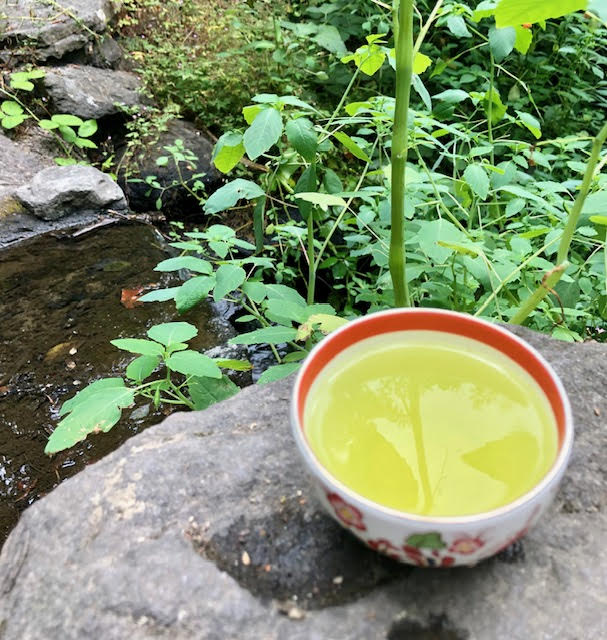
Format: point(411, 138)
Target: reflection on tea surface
point(430, 424)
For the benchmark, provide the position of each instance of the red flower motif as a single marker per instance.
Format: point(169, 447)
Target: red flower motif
point(415, 555)
point(381, 544)
point(466, 545)
point(386, 547)
point(447, 561)
point(348, 514)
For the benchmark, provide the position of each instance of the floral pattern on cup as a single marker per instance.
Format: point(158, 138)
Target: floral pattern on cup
point(348, 514)
point(466, 546)
point(386, 547)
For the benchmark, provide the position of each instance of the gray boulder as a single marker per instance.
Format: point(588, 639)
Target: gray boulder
point(141, 164)
point(18, 165)
point(53, 29)
point(89, 92)
point(60, 191)
point(205, 527)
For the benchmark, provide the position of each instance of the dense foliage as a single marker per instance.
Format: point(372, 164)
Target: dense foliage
point(500, 146)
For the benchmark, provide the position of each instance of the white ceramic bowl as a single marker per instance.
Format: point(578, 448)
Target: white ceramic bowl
point(423, 540)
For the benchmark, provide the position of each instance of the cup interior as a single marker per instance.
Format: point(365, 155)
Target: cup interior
point(445, 322)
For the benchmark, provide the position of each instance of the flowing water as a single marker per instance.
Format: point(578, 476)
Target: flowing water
point(60, 305)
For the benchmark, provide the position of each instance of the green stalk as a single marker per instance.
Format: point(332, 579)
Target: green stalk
point(310, 252)
point(547, 285)
point(258, 213)
point(403, 29)
point(574, 215)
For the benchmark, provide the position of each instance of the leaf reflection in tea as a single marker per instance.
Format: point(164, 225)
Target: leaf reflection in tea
point(430, 423)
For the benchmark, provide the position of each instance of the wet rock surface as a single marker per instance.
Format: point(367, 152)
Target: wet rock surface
point(18, 165)
point(89, 92)
point(52, 29)
point(56, 192)
point(175, 198)
point(205, 526)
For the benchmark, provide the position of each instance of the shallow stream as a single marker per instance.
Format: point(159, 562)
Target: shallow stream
point(60, 305)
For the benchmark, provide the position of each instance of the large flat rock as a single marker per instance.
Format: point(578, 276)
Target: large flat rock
point(205, 527)
point(89, 92)
point(53, 29)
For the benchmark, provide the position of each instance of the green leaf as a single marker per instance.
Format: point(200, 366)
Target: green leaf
point(193, 291)
point(95, 408)
point(510, 13)
point(228, 151)
point(477, 179)
point(282, 292)
point(263, 133)
point(141, 368)
point(531, 122)
point(228, 195)
point(138, 345)
point(351, 146)
point(328, 38)
point(307, 183)
point(170, 333)
point(87, 128)
point(208, 391)
point(421, 62)
point(303, 138)
point(595, 203)
point(10, 122)
point(452, 96)
point(285, 311)
point(327, 322)
point(82, 396)
point(278, 372)
point(234, 365)
point(67, 120)
point(192, 363)
point(269, 335)
point(160, 295)
point(501, 42)
point(185, 262)
point(69, 135)
point(251, 112)
point(369, 58)
point(457, 25)
point(11, 108)
point(524, 38)
point(48, 125)
point(323, 200)
point(229, 277)
point(255, 290)
point(84, 143)
point(600, 220)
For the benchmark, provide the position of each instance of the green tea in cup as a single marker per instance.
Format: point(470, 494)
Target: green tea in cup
point(430, 423)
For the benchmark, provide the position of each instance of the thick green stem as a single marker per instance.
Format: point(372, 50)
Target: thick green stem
point(548, 283)
point(258, 212)
point(403, 19)
point(574, 215)
point(311, 265)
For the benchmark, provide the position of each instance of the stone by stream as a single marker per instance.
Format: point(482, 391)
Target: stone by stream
point(88, 92)
point(60, 191)
point(205, 527)
point(45, 29)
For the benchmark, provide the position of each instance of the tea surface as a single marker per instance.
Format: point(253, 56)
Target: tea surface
point(430, 424)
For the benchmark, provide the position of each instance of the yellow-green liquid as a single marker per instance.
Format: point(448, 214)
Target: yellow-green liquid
point(430, 424)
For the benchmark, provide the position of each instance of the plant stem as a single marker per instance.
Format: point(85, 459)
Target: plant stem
point(340, 105)
point(403, 29)
point(258, 213)
point(547, 285)
point(310, 252)
point(574, 215)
